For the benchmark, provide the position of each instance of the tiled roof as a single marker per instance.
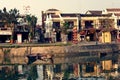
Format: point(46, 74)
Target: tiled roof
point(52, 10)
point(117, 14)
point(113, 9)
point(68, 15)
point(55, 16)
point(91, 15)
point(95, 12)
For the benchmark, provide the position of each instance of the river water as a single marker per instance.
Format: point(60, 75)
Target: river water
point(16, 68)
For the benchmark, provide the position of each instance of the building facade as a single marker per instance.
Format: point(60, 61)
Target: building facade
point(89, 25)
point(54, 20)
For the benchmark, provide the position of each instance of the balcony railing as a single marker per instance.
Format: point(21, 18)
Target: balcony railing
point(21, 30)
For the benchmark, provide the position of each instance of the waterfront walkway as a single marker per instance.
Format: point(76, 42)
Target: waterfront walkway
point(52, 44)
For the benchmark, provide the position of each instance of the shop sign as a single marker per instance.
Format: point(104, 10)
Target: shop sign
point(5, 32)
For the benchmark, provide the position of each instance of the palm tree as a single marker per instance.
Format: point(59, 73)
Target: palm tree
point(13, 15)
point(32, 20)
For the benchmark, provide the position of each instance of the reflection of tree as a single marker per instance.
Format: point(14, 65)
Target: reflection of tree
point(8, 73)
point(66, 74)
point(32, 75)
point(6, 54)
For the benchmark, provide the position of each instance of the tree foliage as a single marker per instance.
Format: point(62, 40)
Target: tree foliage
point(9, 18)
point(14, 14)
point(65, 27)
point(32, 21)
point(107, 24)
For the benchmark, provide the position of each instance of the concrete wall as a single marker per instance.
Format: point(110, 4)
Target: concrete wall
point(22, 51)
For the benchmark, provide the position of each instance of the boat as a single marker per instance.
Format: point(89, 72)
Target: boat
point(44, 57)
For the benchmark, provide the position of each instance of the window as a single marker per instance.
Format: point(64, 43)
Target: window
point(57, 68)
point(88, 24)
point(71, 24)
point(89, 68)
point(118, 22)
point(56, 25)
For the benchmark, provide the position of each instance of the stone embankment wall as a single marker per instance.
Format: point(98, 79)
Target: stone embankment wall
point(22, 51)
point(63, 54)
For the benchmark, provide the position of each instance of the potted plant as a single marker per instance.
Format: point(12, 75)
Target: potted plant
point(64, 32)
point(11, 39)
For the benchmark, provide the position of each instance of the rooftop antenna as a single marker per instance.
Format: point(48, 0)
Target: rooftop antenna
point(26, 9)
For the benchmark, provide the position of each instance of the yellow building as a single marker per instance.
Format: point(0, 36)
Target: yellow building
point(106, 37)
point(94, 23)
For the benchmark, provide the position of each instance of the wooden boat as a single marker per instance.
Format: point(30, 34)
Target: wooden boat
point(44, 57)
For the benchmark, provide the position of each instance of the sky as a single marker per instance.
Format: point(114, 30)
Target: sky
point(65, 6)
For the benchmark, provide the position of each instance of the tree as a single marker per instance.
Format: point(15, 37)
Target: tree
point(106, 24)
point(64, 28)
point(9, 18)
point(32, 20)
point(14, 14)
point(5, 16)
point(64, 32)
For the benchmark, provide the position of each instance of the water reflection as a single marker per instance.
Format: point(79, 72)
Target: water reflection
point(20, 60)
point(13, 60)
point(40, 72)
point(16, 68)
point(19, 72)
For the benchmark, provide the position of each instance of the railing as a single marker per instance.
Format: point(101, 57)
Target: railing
point(91, 79)
point(93, 48)
point(2, 28)
point(21, 30)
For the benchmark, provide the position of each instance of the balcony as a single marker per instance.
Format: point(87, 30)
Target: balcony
point(21, 30)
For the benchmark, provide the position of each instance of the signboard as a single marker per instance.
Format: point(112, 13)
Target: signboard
point(19, 38)
point(6, 32)
point(106, 37)
point(107, 64)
